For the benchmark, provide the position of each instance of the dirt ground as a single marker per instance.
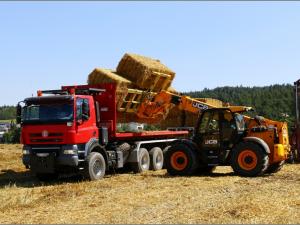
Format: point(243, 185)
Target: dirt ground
point(152, 197)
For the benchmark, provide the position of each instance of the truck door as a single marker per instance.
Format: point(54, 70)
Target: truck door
point(85, 126)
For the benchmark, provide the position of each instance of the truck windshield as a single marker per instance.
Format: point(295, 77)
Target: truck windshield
point(54, 113)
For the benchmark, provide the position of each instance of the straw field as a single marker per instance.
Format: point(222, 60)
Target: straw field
point(152, 197)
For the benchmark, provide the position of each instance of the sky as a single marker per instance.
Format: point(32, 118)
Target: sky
point(44, 45)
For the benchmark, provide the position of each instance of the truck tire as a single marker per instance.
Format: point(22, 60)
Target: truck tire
point(156, 158)
point(95, 166)
point(125, 148)
point(144, 162)
point(181, 160)
point(274, 168)
point(47, 176)
point(249, 159)
point(164, 153)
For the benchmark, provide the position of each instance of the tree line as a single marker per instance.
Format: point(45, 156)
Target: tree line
point(275, 102)
point(7, 112)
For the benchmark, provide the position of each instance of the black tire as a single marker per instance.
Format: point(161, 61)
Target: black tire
point(144, 162)
point(274, 168)
point(181, 160)
point(249, 159)
point(206, 169)
point(95, 166)
point(165, 152)
point(47, 176)
point(156, 159)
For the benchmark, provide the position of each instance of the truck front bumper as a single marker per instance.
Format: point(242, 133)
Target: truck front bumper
point(44, 160)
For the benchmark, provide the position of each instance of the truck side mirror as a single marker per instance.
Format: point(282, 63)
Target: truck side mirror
point(19, 114)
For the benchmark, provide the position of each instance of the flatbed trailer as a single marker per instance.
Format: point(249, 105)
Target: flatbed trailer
point(74, 129)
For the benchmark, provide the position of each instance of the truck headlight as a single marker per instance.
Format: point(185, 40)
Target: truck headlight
point(26, 152)
point(70, 150)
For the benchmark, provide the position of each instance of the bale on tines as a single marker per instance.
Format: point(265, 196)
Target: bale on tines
point(100, 76)
point(145, 72)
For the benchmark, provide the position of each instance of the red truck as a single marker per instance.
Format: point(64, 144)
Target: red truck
point(74, 129)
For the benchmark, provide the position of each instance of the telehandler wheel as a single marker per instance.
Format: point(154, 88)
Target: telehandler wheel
point(156, 158)
point(181, 160)
point(274, 168)
point(47, 176)
point(95, 166)
point(249, 159)
point(144, 162)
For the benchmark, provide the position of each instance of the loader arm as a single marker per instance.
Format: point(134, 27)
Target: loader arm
point(164, 101)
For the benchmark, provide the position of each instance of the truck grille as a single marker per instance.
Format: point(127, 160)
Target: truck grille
point(32, 135)
point(53, 140)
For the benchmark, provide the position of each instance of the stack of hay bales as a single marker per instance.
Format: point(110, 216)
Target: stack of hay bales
point(147, 73)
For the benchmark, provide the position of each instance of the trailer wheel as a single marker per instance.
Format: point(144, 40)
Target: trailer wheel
point(274, 168)
point(249, 159)
point(95, 166)
point(144, 162)
point(156, 158)
point(181, 160)
point(47, 176)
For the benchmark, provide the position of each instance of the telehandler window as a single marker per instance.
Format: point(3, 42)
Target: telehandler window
point(209, 122)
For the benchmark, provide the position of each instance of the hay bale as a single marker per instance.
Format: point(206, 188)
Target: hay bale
point(181, 118)
point(101, 75)
point(212, 101)
point(146, 73)
point(172, 90)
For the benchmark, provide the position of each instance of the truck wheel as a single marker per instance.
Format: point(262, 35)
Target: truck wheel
point(47, 176)
point(156, 159)
point(274, 168)
point(181, 160)
point(164, 153)
point(125, 148)
point(95, 166)
point(249, 159)
point(144, 162)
